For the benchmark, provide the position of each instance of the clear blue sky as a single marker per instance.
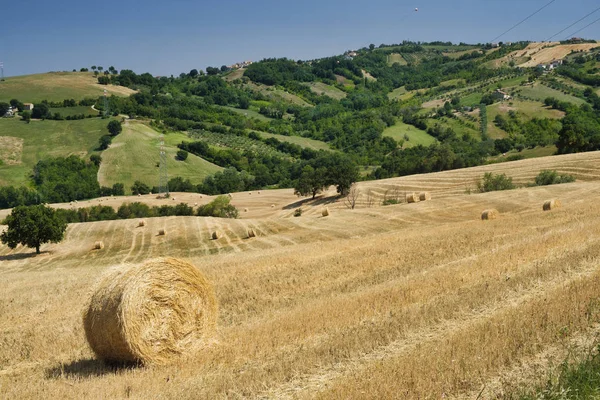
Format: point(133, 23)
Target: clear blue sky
point(170, 37)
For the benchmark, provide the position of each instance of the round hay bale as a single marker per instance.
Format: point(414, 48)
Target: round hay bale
point(325, 212)
point(99, 245)
point(162, 232)
point(272, 205)
point(139, 195)
point(245, 210)
point(251, 233)
point(250, 193)
point(412, 198)
point(195, 204)
point(424, 196)
point(230, 195)
point(492, 213)
point(141, 223)
point(551, 204)
point(258, 192)
point(215, 235)
point(150, 313)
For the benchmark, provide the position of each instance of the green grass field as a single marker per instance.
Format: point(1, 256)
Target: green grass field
point(453, 82)
point(134, 155)
point(321, 88)
point(526, 109)
point(300, 141)
point(415, 136)
point(42, 139)
point(56, 86)
point(249, 113)
point(396, 58)
point(540, 92)
point(70, 111)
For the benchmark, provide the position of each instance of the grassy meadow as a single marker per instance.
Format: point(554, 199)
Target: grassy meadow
point(321, 88)
point(417, 300)
point(42, 139)
point(56, 86)
point(299, 140)
point(134, 155)
point(416, 136)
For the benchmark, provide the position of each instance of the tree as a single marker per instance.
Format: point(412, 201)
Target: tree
point(33, 226)
point(16, 104)
point(40, 111)
point(104, 142)
point(311, 181)
point(140, 188)
point(96, 159)
point(182, 155)
point(114, 127)
point(193, 73)
point(26, 116)
point(352, 198)
point(118, 189)
point(4, 109)
point(93, 67)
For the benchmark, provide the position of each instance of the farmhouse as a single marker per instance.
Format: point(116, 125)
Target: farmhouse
point(500, 95)
point(27, 106)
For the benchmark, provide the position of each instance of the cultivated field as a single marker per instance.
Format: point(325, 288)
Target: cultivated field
point(409, 301)
point(400, 131)
point(29, 143)
point(321, 88)
point(56, 86)
point(134, 155)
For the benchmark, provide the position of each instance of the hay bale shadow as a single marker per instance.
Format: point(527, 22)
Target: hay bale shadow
point(87, 368)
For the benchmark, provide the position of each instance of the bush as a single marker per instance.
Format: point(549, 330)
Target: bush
point(491, 183)
point(297, 212)
point(219, 207)
point(182, 155)
point(388, 202)
point(140, 188)
point(551, 177)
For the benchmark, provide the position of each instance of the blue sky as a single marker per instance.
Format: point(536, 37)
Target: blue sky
point(170, 37)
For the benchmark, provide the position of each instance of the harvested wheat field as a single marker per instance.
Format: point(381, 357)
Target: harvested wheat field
point(406, 301)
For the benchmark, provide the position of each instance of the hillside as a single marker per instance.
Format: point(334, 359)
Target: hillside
point(134, 156)
point(26, 144)
point(56, 86)
point(421, 299)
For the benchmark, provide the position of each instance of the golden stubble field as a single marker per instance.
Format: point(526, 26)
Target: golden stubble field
point(407, 301)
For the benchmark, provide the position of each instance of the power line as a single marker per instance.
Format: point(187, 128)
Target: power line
point(574, 23)
point(519, 23)
point(588, 25)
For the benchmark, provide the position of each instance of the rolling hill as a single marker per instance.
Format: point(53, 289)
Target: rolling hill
point(421, 299)
point(56, 86)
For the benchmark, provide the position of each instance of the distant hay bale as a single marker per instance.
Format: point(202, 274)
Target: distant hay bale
point(141, 223)
point(272, 205)
point(251, 233)
point(250, 193)
point(99, 245)
point(258, 192)
point(173, 198)
point(325, 212)
point(492, 213)
point(162, 232)
point(215, 235)
point(195, 204)
point(139, 195)
point(424, 196)
point(245, 210)
point(230, 195)
point(150, 313)
point(552, 204)
point(412, 198)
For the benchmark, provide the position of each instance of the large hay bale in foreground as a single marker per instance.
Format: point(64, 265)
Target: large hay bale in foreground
point(215, 235)
point(251, 233)
point(325, 212)
point(424, 196)
point(99, 245)
point(412, 198)
point(150, 313)
point(551, 204)
point(492, 213)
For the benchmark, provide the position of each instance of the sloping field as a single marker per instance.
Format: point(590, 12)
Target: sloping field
point(321, 88)
point(134, 155)
point(56, 86)
point(401, 131)
point(409, 301)
point(29, 143)
point(299, 140)
point(541, 53)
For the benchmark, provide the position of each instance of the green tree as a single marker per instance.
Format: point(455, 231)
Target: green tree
point(4, 109)
point(140, 188)
point(26, 116)
point(114, 127)
point(33, 226)
point(182, 155)
point(311, 181)
point(96, 159)
point(118, 189)
point(219, 207)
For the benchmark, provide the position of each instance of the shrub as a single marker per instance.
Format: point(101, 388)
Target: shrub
point(551, 177)
point(219, 207)
point(297, 212)
point(388, 202)
point(182, 155)
point(491, 182)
